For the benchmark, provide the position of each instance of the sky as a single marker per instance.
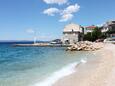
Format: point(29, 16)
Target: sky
point(22, 19)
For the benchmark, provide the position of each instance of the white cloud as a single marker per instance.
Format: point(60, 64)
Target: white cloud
point(51, 11)
point(66, 17)
point(55, 1)
point(65, 14)
point(71, 9)
point(31, 31)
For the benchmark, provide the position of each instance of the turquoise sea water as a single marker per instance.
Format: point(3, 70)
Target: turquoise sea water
point(29, 66)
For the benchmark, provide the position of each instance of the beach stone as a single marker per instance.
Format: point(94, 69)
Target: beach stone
point(84, 46)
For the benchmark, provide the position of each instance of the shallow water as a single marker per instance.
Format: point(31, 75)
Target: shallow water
point(27, 66)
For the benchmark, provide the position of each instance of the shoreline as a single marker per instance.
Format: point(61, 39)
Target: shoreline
point(96, 72)
point(64, 71)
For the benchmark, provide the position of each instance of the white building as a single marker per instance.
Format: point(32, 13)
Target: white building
point(89, 29)
point(71, 34)
point(109, 27)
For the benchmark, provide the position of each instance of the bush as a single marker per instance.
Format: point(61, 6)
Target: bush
point(94, 35)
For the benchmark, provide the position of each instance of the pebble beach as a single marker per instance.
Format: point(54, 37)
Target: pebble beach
point(98, 71)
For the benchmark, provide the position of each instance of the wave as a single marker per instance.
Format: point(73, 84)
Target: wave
point(67, 70)
point(84, 60)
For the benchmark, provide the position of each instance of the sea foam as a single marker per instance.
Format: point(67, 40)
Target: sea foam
point(84, 60)
point(67, 70)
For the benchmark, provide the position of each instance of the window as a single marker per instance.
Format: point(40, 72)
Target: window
point(113, 21)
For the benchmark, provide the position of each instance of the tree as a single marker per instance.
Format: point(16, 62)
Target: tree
point(94, 35)
point(88, 36)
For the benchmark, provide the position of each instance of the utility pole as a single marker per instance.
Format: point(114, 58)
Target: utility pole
point(35, 37)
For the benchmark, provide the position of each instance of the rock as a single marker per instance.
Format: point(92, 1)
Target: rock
point(84, 46)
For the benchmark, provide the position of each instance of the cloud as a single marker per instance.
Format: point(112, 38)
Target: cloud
point(65, 14)
point(71, 9)
point(55, 1)
point(66, 17)
point(51, 11)
point(31, 31)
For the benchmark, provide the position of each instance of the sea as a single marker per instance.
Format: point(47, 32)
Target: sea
point(37, 66)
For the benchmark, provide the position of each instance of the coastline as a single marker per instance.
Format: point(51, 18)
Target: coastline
point(62, 72)
point(98, 71)
point(65, 71)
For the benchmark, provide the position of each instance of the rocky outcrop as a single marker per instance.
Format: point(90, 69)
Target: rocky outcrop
point(85, 46)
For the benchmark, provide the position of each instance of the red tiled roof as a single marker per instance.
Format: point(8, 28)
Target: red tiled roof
point(91, 27)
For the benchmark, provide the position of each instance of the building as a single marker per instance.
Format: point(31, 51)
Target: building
point(72, 33)
point(89, 29)
point(109, 28)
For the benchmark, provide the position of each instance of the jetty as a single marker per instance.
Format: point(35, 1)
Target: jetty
point(40, 45)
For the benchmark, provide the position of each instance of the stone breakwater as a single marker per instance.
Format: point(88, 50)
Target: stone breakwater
point(40, 45)
point(85, 46)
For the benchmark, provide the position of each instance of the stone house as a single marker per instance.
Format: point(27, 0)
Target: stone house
point(72, 33)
